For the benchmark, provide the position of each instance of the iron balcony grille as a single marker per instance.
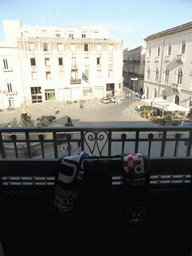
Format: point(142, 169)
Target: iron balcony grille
point(99, 141)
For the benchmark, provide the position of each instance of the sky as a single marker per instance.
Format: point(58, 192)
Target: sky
point(129, 20)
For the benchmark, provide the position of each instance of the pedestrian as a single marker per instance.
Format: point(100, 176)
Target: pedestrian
point(127, 95)
point(69, 120)
point(56, 111)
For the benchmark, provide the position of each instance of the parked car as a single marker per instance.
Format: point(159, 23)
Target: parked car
point(105, 100)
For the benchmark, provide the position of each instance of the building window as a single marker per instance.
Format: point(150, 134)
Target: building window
point(110, 60)
point(148, 73)
point(183, 48)
point(86, 47)
point(9, 87)
point(5, 63)
point(99, 61)
point(47, 62)
point(169, 50)
point(60, 47)
point(155, 93)
point(33, 63)
point(158, 51)
point(73, 47)
point(34, 75)
point(60, 61)
point(57, 35)
point(50, 94)
point(61, 74)
point(110, 73)
point(36, 94)
point(87, 91)
point(71, 36)
point(87, 73)
point(11, 102)
point(31, 47)
point(43, 32)
point(83, 35)
point(48, 75)
point(149, 52)
point(98, 47)
point(166, 76)
point(156, 75)
point(180, 75)
point(45, 47)
point(177, 99)
point(110, 48)
point(98, 73)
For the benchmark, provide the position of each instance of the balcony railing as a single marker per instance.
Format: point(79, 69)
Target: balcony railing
point(108, 200)
point(157, 59)
point(180, 58)
point(167, 58)
point(9, 69)
point(149, 59)
point(75, 81)
point(176, 86)
point(100, 141)
point(7, 93)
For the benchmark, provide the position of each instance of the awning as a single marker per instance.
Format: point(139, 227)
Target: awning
point(165, 105)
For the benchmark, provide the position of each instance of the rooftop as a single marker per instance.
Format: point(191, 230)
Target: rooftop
point(170, 31)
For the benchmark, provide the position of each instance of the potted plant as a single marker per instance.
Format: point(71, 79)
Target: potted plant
point(75, 101)
point(168, 119)
point(155, 119)
point(143, 114)
point(160, 122)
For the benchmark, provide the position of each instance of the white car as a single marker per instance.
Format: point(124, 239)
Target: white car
point(105, 100)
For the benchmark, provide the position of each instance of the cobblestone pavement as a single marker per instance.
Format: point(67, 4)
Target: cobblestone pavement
point(93, 114)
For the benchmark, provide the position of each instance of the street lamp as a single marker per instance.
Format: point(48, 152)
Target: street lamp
point(133, 79)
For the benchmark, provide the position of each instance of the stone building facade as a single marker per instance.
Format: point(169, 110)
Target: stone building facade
point(168, 66)
point(11, 85)
point(64, 63)
point(133, 70)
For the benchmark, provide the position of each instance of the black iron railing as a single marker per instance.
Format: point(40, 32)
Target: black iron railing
point(54, 142)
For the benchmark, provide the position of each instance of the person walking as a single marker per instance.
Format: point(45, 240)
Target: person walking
point(56, 111)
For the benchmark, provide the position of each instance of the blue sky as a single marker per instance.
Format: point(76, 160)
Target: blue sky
point(129, 20)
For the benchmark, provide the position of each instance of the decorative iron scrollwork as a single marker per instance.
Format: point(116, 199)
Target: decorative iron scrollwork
point(97, 138)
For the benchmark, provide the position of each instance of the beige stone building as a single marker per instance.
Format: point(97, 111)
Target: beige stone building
point(57, 61)
point(11, 85)
point(168, 65)
point(133, 70)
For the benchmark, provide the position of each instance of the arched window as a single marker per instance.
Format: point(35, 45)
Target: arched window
point(155, 93)
point(183, 48)
point(149, 52)
point(177, 99)
point(156, 75)
point(148, 73)
point(179, 76)
point(169, 50)
point(147, 92)
point(166, 76)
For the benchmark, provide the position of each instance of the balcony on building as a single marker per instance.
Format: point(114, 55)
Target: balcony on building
point(180, 58)
point(149, 59)
point(9, 69)
point(7, 93)
point(176, 86)
point(168, 58)
point(157, 58)
point(75, 81)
